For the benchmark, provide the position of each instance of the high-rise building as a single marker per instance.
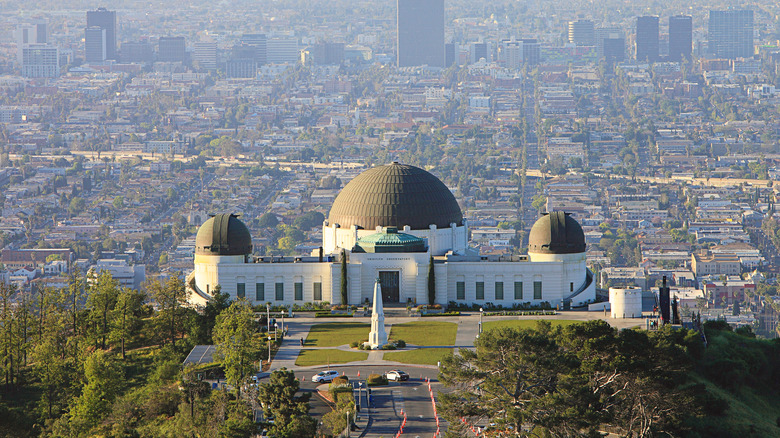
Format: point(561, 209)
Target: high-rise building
point(420, 33)
point(478, 51)
point(582, 33)
point(205, 55)
point(29, 33)
point(731, 33)
point(680, 37)
point(40, 61)
point(611, 43)
point(449, 54)
point(646, 39)
point(283, 50)
point(510, 53)
point(95, 50)
point(172, 49)
point(531, 51)
point(105, 19)
point(136, 52)
point(260, 42)
point(327, 53)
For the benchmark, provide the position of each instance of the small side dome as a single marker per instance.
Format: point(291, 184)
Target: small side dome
point(556, 233)
point(222, 235)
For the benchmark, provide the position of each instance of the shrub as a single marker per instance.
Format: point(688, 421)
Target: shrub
point(376, 380)
point(442, 314)
point(388, 347)
point(355, 344)
point(341, 380)
point(400, 343)
point(335, 389)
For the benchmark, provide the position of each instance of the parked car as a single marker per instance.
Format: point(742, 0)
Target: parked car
point(324, 376)
point(396, 375)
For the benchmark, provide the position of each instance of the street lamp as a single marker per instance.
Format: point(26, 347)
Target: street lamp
point(268, 317)
point(480, 319)
point(269, 351)
point(282, 312)
point(347, 412)
point(276, 329)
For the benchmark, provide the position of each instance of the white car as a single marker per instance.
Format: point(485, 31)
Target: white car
point(396, 375)
point(324, 376)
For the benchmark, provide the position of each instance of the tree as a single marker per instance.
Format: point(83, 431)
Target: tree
point(219, 301)
point(268, 220)
point(103, 377)
point(171, 298)
point(431, 282)
point(76, 206)
point(344, 288)
point(237, 341)
point(290, 413)
point(101, 299)
point(126, 316)
point(570, 381)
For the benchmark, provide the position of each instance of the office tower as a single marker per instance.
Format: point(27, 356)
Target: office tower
point(136, 52)
point(241, 68)
point(95, 41)
point(40, 61)
point(107, 20)
point(41, 32)
point(171, 49)
point(420, 33)
point(531, 52)
point(680, 37)
point(646, 39)
point(478, 51)
point(283, 50)
point(582, 33)
point(510, 53)
point(260, 42)
point(205, 55)
point(731, 33)
point(327, 53)
point(27, 33)
point(611, 43)
point(449, 54)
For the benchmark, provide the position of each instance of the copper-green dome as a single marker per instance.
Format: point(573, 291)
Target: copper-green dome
point(389, 240)
point(395, 195)
point(223, 234)
point(556, 233)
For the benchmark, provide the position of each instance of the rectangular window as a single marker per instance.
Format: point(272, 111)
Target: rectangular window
point(318, 291)
point(298, 291)
point(279, 291)
point(241, 290)
point(499, 290)
point(571, 287)
point(460, 288)
point(537, 290)
point(518, 290)
point(480, 290)
point(259, 291)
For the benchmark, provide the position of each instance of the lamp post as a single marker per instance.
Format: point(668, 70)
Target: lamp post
point(347, 412)
point(282, 312)
point(480, 319)
point(276, 329)
point(268, 317)
point(269, 351)
point(360, 393)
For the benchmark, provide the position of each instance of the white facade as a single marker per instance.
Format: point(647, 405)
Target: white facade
point(626, 302)
point(439, 240)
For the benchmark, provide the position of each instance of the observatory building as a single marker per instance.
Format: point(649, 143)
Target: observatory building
point(387, 224)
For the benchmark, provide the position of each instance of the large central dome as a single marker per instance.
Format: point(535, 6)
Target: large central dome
point(395, 195)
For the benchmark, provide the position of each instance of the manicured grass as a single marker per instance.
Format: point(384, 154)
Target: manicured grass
point(333, 334)
point(325, 357)
point(422, 356)
point(524, 323)
point(425, 332)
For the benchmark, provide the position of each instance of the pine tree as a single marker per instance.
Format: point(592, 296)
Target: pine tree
point(344, 289)
point(431, 282)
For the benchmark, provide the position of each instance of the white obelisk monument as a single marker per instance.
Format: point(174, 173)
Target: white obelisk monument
point(378, 336)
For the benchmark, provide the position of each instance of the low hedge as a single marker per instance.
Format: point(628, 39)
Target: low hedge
point(522, 313)
point(376, 380)
point(441, 314)
point(333, 315)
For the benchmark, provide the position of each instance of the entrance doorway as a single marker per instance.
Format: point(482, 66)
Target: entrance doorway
point(390, 286)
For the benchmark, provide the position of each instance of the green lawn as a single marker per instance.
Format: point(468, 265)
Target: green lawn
point(524, 323)
point(425, 332)
point(325, 357)
point(333, 334)
point(422, 356)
